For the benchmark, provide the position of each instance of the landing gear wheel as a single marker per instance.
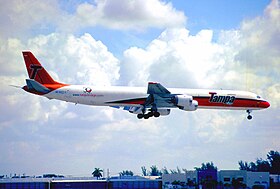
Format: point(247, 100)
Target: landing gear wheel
point(150, 114)
point(249, 117)
point(156, 114)
point(146, 116)
point(140, 116)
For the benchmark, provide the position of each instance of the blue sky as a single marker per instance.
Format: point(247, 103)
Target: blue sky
point(187, 44)
point(219, 15)
point(214, 15)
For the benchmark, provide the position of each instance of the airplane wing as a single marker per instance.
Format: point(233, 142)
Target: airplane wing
point(159, 96)
point(160, 100)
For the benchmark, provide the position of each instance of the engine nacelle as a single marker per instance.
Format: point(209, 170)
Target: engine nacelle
point(185, 102)
point(193, 106)
point(164, 112)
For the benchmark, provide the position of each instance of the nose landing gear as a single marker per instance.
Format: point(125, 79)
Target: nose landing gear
point(249, 117)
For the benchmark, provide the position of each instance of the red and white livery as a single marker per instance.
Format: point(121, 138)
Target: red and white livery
point(153, 101)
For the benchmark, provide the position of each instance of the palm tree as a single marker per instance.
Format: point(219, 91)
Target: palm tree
point(155, 171)
point(144, 171)
point(126, 173)
point(97, 173)
point(244, 165)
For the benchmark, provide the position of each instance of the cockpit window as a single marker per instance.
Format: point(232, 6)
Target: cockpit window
point(258, 97)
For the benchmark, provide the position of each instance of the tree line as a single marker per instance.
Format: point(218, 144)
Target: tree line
point(155, 171)
point(271, 164)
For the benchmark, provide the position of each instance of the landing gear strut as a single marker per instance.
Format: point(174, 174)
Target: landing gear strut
point(249, 117)
point(152, 112)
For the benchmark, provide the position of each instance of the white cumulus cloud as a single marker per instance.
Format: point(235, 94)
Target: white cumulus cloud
point(135, 14)
point(27, 18)
point(175, 58)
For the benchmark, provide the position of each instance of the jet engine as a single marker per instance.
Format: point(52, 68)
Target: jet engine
point(185, 102)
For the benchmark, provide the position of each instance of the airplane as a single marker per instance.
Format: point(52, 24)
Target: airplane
point(153, 101)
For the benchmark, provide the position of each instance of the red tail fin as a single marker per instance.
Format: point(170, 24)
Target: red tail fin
point(35, 70)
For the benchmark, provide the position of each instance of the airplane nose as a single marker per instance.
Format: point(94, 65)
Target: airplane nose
point(264, 104)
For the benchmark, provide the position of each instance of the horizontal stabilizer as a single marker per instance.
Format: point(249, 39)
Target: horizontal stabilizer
point(16, 86)
point(34, 85)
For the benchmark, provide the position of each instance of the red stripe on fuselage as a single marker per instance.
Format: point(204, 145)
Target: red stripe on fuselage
point(238, 102)
point(137, 101)
point(204, 102)
point(130, 101)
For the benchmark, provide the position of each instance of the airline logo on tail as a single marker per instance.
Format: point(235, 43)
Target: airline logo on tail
point(35, 69)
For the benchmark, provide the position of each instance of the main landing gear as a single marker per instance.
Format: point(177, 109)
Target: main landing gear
point(148, 115)
point(249, 117)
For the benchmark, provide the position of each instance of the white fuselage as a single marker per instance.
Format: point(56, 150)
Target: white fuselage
point(132, 96)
